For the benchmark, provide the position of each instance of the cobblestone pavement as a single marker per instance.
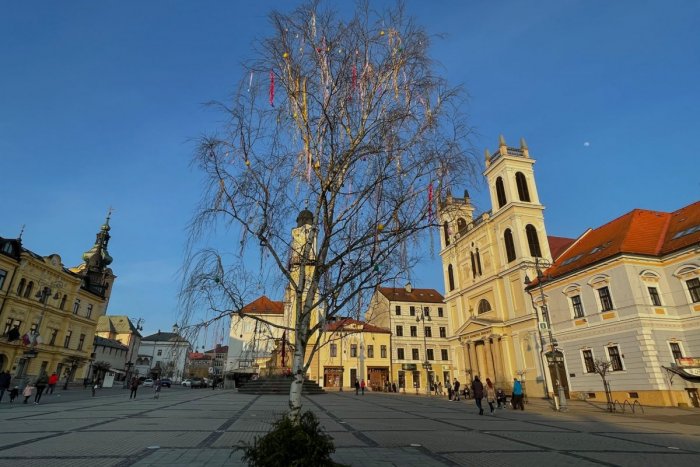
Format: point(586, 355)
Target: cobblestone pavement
point(200, 428)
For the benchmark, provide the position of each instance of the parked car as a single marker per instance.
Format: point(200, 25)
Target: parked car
point(197, 383)
point(166, 383)
point(148, 383)
point(187, 383)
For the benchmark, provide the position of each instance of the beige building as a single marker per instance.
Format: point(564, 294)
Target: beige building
point(494, 326)
point(419, 348)
point(49, 312)
point(121, 329)
point(628, 293)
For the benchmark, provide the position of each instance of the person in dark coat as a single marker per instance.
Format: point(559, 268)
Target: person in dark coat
point(41, 382)
point(133, 386)
point(478, 391)
point(357, 387)
point(5, 379)
point(455, 391)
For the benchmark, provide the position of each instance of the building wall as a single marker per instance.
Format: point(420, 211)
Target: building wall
point(173, 356)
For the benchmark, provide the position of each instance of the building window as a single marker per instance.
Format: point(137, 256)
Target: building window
point(654, 296)
point(28, 291)
point(382, 351)
point(398, 310)
point(450, 277)
point(532, 241)
point(578, 306)
point(33, 329)
point(20, 287)
point(399, 331)
point(399, 354)
point(446, 231)
point(76, 306)
point(370, 351)
point(11, 323)
point(443, 354)
point(63, 302)
point(66, 341)
point(440, 312)
point(510, 246)
point(521, 182)
point(412, 311)
point(415, 354)
point(615, 358)
point(3, 275)
point(88, 314)
point(484, 306)
point(81, 341)
point(478, 262)
point(443, 331)
point(500, 192)
point(353, 350)
point(334, 350)
point(426, 311)
point(414, 331)
point(160, 352)
point(606, 303)
point(52, 340)
point(676, 351)
point(429, 354)
point(473, 264)
point(428, 332)
point(588, 361)
point(694, 289)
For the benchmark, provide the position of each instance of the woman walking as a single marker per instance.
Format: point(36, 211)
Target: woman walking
point(490, 393)
point(478, 391)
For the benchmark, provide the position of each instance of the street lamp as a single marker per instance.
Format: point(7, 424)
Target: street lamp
point(421, 317)
point(43, 295)
point(554, 356)
point(130, 364)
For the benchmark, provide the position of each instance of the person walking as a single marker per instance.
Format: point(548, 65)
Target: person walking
point(438, 389)
point(490, 393)
point(156, 389)
point(478, 391)
point(95, 387)
point(28, 391)
point(517, 394)
point(53, 380)
point(357, 387)
point(362, 386)
point(393, 387)
point(41, 382)
point(455, 391)
point(14, 393)
point(5, 380)
point(133, 386)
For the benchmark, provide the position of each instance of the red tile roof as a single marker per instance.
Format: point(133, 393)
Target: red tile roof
point(399, 294)
point(263, 306)
point(557, 245)
point(353, 325)
point(639, 232)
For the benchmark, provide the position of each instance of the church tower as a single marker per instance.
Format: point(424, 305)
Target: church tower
point(97, 276)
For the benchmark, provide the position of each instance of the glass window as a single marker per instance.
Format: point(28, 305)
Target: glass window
point(370, 351)
point(416, 379)
point(444, 354)
point(532, 241)
point(426, 311)
point(588, 361)
point(694, 289)
point(484, 306)
point(11, 323)
point(412, 311)
point(430, 355)
point(415, 354)
point(3, 275)
point(63, 302)
point(676, 351)
point(500, 192)
point(510, 246)
point(160, 352)
point(578, 306)
point(88, 314)
point(654, 296)
point(54, 333)
point(450, 277)
point(398, 310)
point(28, 291)
point(66, 341)
point(414, 331)
point(615, 358)
point(606, 303)
point(399, 331)
point(382, 350)
point(440, 312)
point(428, 332)
point(521, 182)
point(76, 306)
point(443, 331)
point(399, 354)
point(81, 341)
point(334, 350)
point(353, 350)
point(20, 286)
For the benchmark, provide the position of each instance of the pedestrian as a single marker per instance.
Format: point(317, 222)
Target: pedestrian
point(517, 394)
point(53, 380)
point(134, 386)
point(393, 386)
point(501, 398)
point(362, 386)
point(95, 387)
point(455, 391)
point(438, 389)
point(478, 392)
point(357, 387)
point(156, 389)
point(13, 394)
point(41, 382)
point(5, 380)
point(28, 391)
point(490, 393)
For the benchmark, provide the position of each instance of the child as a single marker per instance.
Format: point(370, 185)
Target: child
point(13, 394)
point(28, 391)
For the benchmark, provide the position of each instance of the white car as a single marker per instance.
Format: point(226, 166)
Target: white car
point(187, 383)
point(148, 383)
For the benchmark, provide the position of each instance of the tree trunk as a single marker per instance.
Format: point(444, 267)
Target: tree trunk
point(298, 371)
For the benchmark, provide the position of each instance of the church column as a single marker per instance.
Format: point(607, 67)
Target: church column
point(474, 361)
point(481, 358)
point(497, 348)
point(490, 361)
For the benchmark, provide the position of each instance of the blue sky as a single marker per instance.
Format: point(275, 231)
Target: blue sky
point(100, 104)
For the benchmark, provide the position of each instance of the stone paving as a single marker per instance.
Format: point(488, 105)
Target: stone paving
point(201, 427)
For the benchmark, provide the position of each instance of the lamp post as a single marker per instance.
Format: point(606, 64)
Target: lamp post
point(421, 318)
point(130, 364)
point(43, 295)
point(554, 357)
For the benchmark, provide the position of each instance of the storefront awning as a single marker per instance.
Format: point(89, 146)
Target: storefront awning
point(689, 374)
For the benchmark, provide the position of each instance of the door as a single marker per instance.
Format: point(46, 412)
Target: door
point(694, 397)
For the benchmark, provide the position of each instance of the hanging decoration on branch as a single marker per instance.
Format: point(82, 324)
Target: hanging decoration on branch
point(250, 81)
point(430, 203)
point(272, 88)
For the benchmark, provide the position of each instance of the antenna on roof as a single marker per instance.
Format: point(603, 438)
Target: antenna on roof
point(21, 232)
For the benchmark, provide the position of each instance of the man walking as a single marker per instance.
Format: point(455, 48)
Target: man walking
point(41, 382)
point(478, 391)
point(5, 379)
point(362, 387)
point(517, 394)
point(455, 391)
point(134, 386)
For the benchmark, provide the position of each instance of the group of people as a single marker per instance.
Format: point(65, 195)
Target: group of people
point(34, 388)
point(478, 391)
point(134, 386)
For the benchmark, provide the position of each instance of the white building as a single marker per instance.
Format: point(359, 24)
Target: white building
point(163, 355)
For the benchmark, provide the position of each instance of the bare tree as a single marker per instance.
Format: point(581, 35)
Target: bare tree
point(348, 121)
point(602, 368)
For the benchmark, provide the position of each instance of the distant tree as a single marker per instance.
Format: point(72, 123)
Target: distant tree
point(346, 119)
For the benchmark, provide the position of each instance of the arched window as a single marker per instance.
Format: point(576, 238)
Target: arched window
point(63, 301)
point(478, 261)
point(510, 246)
point(20, 287)
point(446, 229)
point(500, 192)
point(450, 277)
point(30, 286)
point(532, 241)
point(523, 192)
point(461, 225)
point(484, 306)
point(473, 264)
